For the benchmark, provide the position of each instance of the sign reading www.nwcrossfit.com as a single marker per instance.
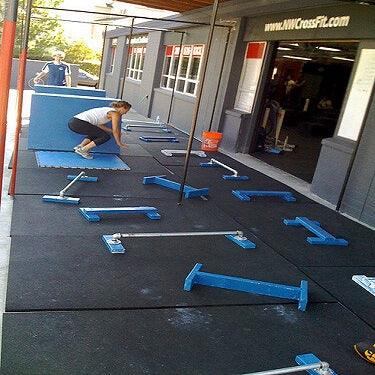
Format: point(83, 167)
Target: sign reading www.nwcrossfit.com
point(310, 23)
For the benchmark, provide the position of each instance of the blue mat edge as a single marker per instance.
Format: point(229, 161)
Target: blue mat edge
point(41, 165)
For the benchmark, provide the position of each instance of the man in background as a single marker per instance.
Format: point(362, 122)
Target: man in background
point(57, 70)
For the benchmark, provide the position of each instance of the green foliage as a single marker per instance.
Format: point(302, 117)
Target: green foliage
point(78, 52)
point(46, 35)
point(85, 57)
point(91, 68)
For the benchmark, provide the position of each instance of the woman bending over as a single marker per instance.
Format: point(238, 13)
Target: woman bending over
point(91, 124)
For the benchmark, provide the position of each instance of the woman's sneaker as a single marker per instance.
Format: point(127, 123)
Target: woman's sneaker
point(366, 350)
point(77, 148)
point(84, 154)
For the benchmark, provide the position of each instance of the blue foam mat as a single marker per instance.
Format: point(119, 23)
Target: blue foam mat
point(60, 159)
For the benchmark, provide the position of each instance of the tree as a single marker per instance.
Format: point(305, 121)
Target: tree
point(46, 34)
point(79, 53)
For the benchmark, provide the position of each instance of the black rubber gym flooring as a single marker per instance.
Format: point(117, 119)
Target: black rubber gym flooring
point(83, 274)
point(206, 340)
point(72, 307)
point(338, 280)
point(213, 178)
point(46, 218)
point(291, 241)
point(52, 180)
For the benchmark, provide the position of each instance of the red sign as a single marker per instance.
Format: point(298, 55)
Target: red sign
point(168, 51)
point(255, 50)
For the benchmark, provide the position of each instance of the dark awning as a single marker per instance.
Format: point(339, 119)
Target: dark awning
point(173, 5)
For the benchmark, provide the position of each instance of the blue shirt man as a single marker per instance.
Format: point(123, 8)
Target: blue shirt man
point(58, 71)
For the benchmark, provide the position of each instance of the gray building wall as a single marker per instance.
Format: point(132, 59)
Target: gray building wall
point(105, 63)
point(334, 163)
point(141, 93)
point(114, 79)
point(332, 167)
point(183, 105)
point(335, 156)
point(231, 121)
point(359, 197)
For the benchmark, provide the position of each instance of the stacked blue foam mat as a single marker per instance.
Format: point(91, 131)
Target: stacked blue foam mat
point(62, 90)
point(49, 116)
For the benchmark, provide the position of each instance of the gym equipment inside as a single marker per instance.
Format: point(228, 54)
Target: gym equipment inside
point(306, 91)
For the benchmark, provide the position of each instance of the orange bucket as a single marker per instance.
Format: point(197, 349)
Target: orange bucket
point(211, 141)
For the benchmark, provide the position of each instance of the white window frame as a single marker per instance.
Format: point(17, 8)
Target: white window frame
point(136, 61)
point(190, 51)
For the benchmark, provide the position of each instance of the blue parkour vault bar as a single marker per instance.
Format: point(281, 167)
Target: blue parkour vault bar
point(323, 237)
point(246, 285)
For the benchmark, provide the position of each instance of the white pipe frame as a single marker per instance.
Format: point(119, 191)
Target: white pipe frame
point(118, 236)
point(62, 192)
point(214, 161)
point(199, 153)
point(321, 367)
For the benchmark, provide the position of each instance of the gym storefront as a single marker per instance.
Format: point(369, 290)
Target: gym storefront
point(327, 56)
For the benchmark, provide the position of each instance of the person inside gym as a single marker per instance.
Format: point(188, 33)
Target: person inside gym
point(91, 124)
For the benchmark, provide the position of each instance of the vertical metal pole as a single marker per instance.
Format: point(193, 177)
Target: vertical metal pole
point(6, 55)
point(175, 82)
point(127, 57)
point(199, 95)
point(352, 159)
point(102, 84)
point(220, 75)
point(20, 87)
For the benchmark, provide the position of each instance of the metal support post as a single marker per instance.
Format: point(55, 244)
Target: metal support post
point(199, 97)
point(102, 70)
point(127, 58)
point(20, 87)
point(175, 79)
point(6, 56)
point(219, 78)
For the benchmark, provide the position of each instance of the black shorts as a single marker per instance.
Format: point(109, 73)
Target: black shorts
point(90, 131)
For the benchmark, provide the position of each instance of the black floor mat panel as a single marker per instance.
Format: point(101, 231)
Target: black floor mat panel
point(72, 307)
point(211, 340)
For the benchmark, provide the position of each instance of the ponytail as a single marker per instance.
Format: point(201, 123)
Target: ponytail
point(120, 104)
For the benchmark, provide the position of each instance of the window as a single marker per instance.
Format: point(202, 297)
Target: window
point(136, 62)
point(112, 54)
point(186, 72)
point(250, 76)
